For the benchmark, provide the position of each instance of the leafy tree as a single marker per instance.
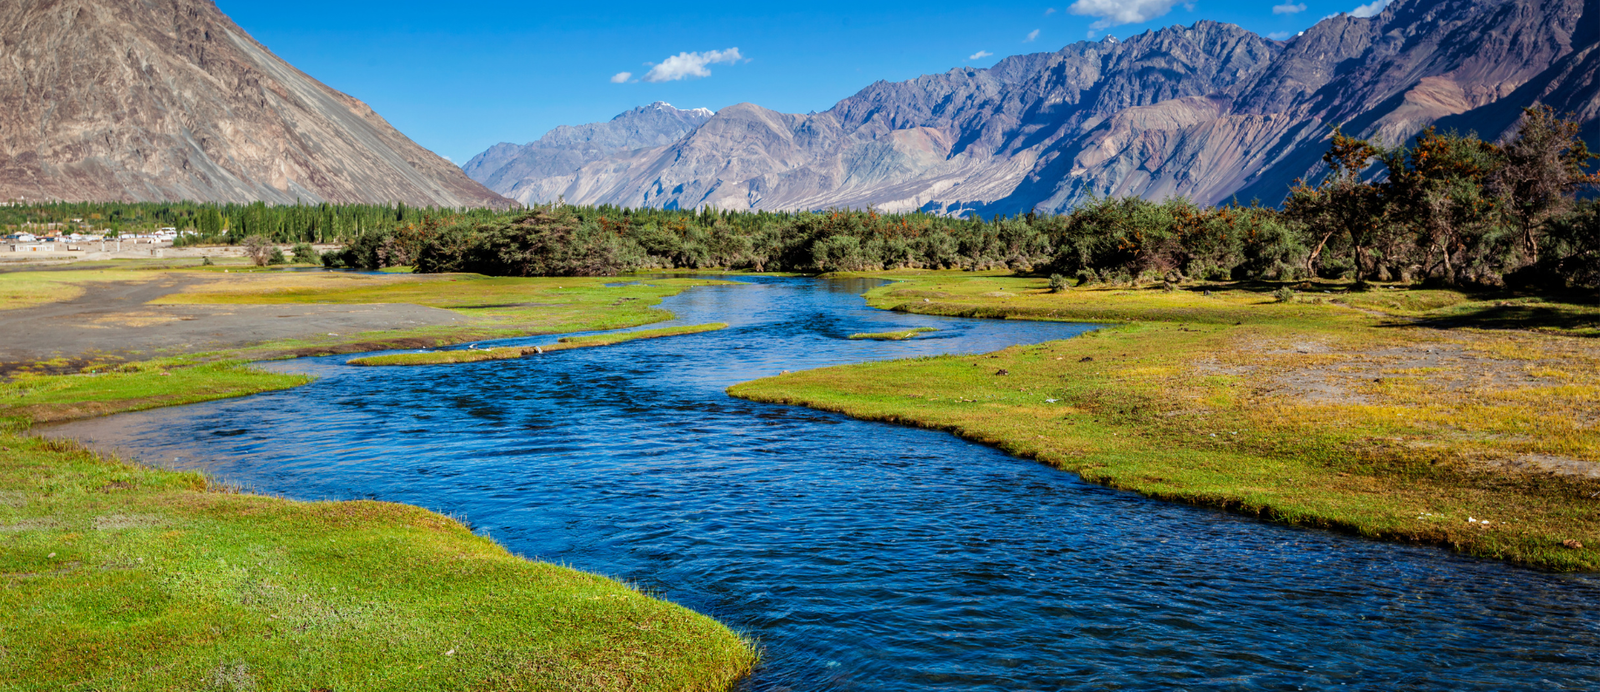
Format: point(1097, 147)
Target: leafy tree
point(1541, 169)
point(1572, 248)
point(1437, 188)
point(1343, 208)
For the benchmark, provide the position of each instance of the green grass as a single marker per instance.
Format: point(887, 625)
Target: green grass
point(509, 352)
point(125, 577)
point(893, 336)
point(1316, 413)
point(29, 399)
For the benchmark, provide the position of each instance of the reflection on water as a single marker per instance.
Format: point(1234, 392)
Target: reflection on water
point(866, 556)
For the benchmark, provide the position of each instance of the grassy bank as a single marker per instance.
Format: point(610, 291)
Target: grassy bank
point(121, 576)
point(29, 399)
point(562, 344)
point(893, 336)
point(1395, 414)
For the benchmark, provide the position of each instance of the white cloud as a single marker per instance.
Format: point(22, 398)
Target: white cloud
point(1278, 35)
point(979, 55)
point(621, 77)
point(691, 65)
point(1118, 12)
point(1287, 8)
point(1049, 11)
point(1031, 36)
point(1370, 9)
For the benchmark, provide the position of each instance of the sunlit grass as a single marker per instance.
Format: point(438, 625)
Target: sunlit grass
point(133, 578)
point(21, 289)
point(28, 399)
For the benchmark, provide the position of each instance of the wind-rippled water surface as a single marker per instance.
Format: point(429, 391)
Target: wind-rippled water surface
point(865, 556)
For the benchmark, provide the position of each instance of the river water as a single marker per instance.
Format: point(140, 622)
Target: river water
point(865, 556)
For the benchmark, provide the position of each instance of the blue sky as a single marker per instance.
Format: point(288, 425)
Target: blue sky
point(460, 76)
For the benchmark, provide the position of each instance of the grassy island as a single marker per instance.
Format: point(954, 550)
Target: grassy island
point(893, 336)
point(508, 352)
point(1426, 416)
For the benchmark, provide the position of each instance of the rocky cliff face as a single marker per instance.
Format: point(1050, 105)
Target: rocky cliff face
point(1210, 112)
point(540, 170)
point(169, 99)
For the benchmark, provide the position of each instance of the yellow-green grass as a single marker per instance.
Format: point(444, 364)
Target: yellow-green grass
point(492, 307)
point(893, 336)
point(20, 288)
point(126, 577)
point(27, 399)
point(509, 352)
point(1312, 413)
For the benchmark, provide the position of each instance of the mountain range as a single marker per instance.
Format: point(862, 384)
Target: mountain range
point(139, 100)
point(1211, 112)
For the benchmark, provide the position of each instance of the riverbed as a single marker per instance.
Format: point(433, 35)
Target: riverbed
point(865, 556)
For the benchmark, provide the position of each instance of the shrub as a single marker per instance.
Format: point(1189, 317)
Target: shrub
point(305, 254)
point(277, 256)
point(1284, 294)
point(260, 250)
point(1058, 283)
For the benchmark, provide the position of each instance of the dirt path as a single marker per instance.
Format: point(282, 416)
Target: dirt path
point(114, 321)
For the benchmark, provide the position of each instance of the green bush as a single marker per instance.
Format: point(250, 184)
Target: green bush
point(305, 254)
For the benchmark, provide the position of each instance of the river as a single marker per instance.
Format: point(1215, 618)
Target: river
point(865, 556)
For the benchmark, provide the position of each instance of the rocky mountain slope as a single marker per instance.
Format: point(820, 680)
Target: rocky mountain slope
point(543, 168)
point(1210, 112)
point(169, 99)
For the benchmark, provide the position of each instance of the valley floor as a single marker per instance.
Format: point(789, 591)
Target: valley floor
point(1416, 415)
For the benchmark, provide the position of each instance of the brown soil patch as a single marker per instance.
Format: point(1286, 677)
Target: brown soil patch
point(1545, 464)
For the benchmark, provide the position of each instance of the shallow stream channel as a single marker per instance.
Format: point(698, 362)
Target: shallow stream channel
point(868, 556)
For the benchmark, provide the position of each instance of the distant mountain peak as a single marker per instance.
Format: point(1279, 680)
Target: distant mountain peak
point(1210, 111)
point(566, 148)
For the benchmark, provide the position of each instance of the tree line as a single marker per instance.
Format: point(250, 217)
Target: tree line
point(212, 222)
point(1448, 209)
